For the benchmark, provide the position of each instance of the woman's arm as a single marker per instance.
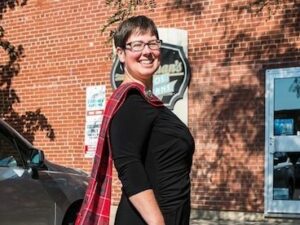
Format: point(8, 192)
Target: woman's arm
point(147, 206)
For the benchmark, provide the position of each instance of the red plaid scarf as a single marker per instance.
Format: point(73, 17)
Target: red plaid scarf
point(96, 205)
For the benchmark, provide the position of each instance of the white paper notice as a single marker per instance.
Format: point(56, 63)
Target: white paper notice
point(95, 104)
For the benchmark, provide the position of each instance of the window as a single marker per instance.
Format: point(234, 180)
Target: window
point(287, 106)
point(9, 154)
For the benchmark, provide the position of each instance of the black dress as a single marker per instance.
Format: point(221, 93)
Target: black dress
point(152, 149)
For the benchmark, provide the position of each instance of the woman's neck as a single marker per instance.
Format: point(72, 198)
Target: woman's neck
point(146, 83)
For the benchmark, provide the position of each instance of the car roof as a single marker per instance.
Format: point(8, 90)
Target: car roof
point(14, 133)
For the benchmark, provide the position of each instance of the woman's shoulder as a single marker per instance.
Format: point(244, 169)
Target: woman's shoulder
point(136, 108)
point(134, 94)
point(135, 97)
point(123, 89)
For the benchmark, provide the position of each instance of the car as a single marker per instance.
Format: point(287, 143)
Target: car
point(284, 177)
point(33, 190)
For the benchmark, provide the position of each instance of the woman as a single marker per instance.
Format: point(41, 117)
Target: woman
point(151, 148)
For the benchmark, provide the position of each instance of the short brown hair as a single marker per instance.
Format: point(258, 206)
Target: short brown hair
point(140, 24)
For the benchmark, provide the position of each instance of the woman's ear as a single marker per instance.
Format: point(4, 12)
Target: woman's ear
point(121, 54)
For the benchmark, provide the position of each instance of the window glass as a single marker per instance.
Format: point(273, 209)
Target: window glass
point(9, 154)
point(287, 106)
point(286, 176)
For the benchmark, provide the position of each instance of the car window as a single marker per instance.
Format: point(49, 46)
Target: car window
point(9, 154)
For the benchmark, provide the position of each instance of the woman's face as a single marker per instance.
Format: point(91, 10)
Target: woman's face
point(140, 65)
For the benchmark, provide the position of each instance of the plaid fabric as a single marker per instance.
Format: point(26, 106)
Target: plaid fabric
point(96, 205)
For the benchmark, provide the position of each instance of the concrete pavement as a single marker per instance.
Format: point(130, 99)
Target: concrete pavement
point(233, 222)
point(229, 218)
point(237, 218)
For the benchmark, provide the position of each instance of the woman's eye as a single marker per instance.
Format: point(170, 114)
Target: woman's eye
point(137, 45)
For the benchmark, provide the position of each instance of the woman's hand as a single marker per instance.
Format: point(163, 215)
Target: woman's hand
point(147, 206)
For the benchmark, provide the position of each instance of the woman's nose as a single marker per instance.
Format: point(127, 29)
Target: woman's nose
point(146, 50)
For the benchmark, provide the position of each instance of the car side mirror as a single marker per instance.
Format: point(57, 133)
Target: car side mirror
point(36, 159)
point(35, 162)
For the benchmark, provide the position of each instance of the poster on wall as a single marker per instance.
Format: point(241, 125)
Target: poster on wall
point(95, 104)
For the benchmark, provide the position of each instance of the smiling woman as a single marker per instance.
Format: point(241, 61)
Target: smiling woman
point(140, 54)
point(151, 148)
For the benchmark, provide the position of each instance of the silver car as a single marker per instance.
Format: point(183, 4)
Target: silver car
point(34, 191)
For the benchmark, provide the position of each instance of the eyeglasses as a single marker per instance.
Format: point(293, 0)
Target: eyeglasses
point(138, 46)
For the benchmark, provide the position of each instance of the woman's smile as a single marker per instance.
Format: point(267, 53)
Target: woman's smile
point(140, 61)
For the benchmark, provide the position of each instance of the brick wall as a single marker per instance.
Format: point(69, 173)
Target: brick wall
point(229, 50)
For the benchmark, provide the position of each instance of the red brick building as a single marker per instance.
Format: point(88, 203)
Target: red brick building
point(230, 50)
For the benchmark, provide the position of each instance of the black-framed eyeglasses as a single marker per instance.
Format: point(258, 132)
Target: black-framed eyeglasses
point(138, 46)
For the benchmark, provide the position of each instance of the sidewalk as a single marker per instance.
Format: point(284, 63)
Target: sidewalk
point(237, 218)
point(231, 222)
point(229, 218)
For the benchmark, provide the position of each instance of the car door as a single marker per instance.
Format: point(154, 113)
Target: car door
point(24, 199)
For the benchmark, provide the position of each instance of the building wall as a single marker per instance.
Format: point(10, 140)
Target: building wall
point(229, 49)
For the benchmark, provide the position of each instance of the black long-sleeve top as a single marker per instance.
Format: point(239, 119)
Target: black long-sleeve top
point(152, 149)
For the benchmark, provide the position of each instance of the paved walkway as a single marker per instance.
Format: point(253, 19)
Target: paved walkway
point(236, 221)
point(232, 222)
point(199, 217)
point(227, 218)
